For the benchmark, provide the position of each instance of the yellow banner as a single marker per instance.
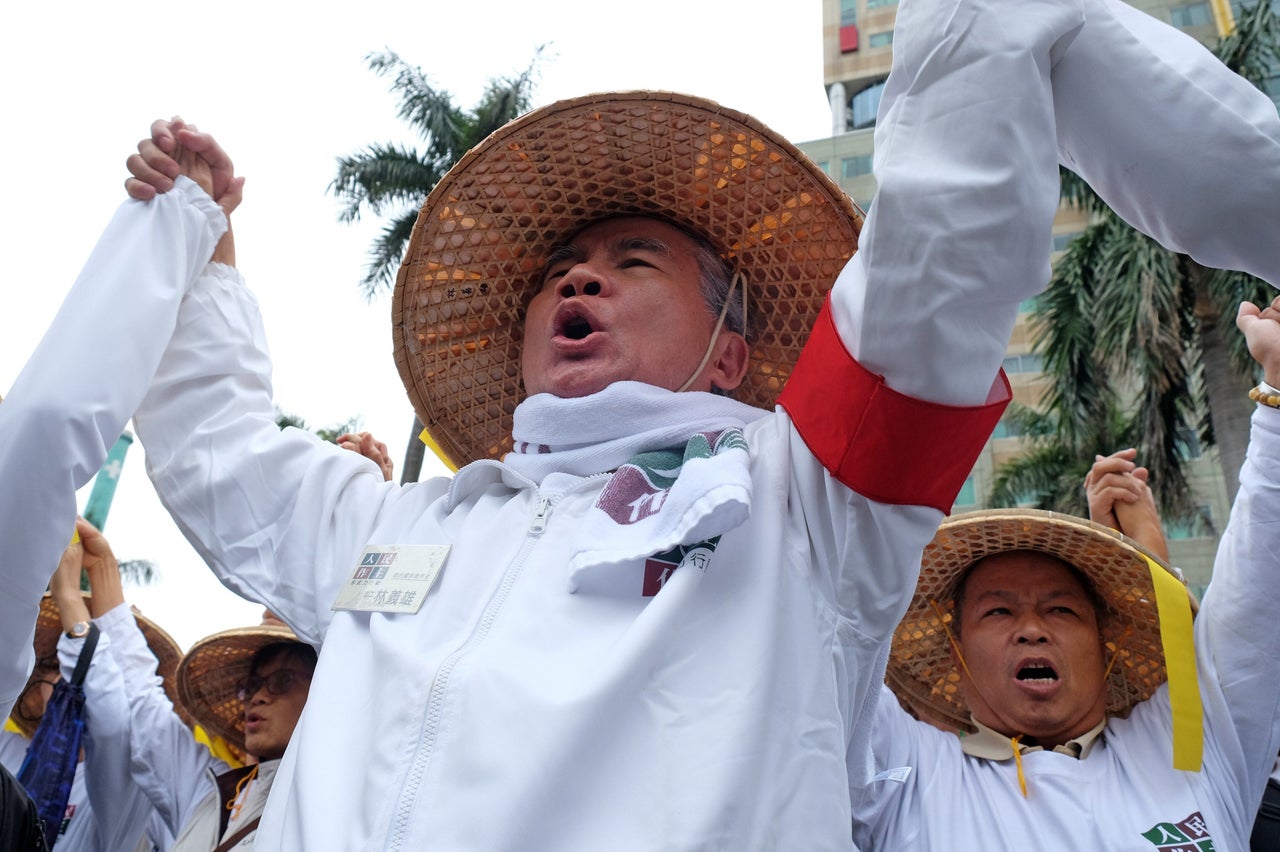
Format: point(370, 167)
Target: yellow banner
point(1174, 608)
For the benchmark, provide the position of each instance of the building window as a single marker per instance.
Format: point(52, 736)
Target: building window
point(883, 39)
point(852, 167)
point(1029, 362)
point(866, 104)
point(876, 4)
point(1191, 15)
point(1028, 306)
point(848, 26)
point(968, 495)
point(825, 165)
point(1061, 241)
point(1007, 429)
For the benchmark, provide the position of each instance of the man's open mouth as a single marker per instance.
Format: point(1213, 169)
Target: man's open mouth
point(1037, 673)
point(576, 328)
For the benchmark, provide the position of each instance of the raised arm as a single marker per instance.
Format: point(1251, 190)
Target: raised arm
point(249, 496)
point(79, 388)
point(1235, 630)
point(119, 807)
point(129, 713)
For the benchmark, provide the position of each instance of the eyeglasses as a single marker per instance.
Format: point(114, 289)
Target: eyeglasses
point(278, 682)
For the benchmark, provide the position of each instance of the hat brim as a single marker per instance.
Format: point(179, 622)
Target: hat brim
point(922, 671)
point(482, 237)
point(49, 631)
point(208, 674)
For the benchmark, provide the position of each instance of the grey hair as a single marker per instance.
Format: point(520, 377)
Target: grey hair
point(714, 278)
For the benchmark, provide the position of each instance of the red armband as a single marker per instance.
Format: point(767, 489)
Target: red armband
point(885, 445)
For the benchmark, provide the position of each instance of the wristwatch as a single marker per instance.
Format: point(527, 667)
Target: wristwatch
point(79, 630)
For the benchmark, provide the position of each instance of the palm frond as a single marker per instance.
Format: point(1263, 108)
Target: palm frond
point(141, 572)
point(428, 110)
point(504, 99)
point(382, 176)
point(284, 419)
point(1079, 391)
point(385, 255)
point(1049, 476)
point(1253, 49)
point(1078, 194)
point(335, 431)
point(1139, 302)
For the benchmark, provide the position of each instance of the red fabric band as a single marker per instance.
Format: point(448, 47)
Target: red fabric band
point(885, 445)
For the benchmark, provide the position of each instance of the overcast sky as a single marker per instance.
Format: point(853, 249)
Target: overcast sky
point(285, 88)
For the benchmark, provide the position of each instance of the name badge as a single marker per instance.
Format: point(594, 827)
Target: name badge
point(392, 578)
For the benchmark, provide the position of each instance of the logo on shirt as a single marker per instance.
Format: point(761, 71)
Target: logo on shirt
point(638, 488)
point(373, 565)
point(1190, 835)
point(659, 567)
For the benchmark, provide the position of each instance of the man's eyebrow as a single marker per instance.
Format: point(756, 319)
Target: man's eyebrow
point(560, 254)
point(648, 244)
point(1010, 594)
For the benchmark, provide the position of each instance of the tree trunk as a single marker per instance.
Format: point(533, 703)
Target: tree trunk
point(413, 454)
point(1226, 390)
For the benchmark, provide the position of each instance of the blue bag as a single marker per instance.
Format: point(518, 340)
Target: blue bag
point(50, 764)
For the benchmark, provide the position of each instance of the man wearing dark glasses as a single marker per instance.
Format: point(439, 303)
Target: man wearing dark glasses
point(245, 689)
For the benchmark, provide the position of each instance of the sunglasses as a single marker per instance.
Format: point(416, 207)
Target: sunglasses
point(277, 683)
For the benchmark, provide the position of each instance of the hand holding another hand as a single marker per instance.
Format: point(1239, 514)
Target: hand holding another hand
point(177, 148)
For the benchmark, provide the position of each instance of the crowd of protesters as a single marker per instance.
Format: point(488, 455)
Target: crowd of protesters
point(692, 586)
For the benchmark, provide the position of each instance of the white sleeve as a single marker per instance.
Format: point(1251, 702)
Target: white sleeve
point(129, 648)
point(884, 808)
point(1184, 149)
point(960, 229)
point(984, 98)
point(166, 762)
point(1235, 631)
point(278, 514)
point(72, 399)
point(120, 809)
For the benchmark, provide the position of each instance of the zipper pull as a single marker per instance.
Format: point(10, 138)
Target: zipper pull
point(541, 509)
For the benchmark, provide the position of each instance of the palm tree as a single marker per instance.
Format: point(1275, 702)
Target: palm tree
point(1138, 341)
point(392, 180)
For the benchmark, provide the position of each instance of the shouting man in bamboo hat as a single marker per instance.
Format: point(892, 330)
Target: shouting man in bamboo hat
point(1092, 714)
point(653, 608)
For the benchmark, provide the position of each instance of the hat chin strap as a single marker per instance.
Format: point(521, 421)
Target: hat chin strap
point(715, 332)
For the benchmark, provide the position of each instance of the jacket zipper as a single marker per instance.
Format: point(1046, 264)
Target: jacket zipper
point(435, 701)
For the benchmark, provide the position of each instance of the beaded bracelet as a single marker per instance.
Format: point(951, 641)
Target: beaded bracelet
point(1266, 395)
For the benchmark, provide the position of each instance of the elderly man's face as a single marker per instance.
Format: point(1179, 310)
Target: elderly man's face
point(622, 302)
point(1029, 635)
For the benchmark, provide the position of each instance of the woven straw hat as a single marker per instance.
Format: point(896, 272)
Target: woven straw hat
point(921, 669)
point(481, 239)
point(49, 630)
point(208, 674)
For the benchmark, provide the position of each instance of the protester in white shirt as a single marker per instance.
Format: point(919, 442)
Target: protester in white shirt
point(1040, 637)
point(105, 811)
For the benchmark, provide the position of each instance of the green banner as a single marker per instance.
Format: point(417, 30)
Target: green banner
point(104, 484)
